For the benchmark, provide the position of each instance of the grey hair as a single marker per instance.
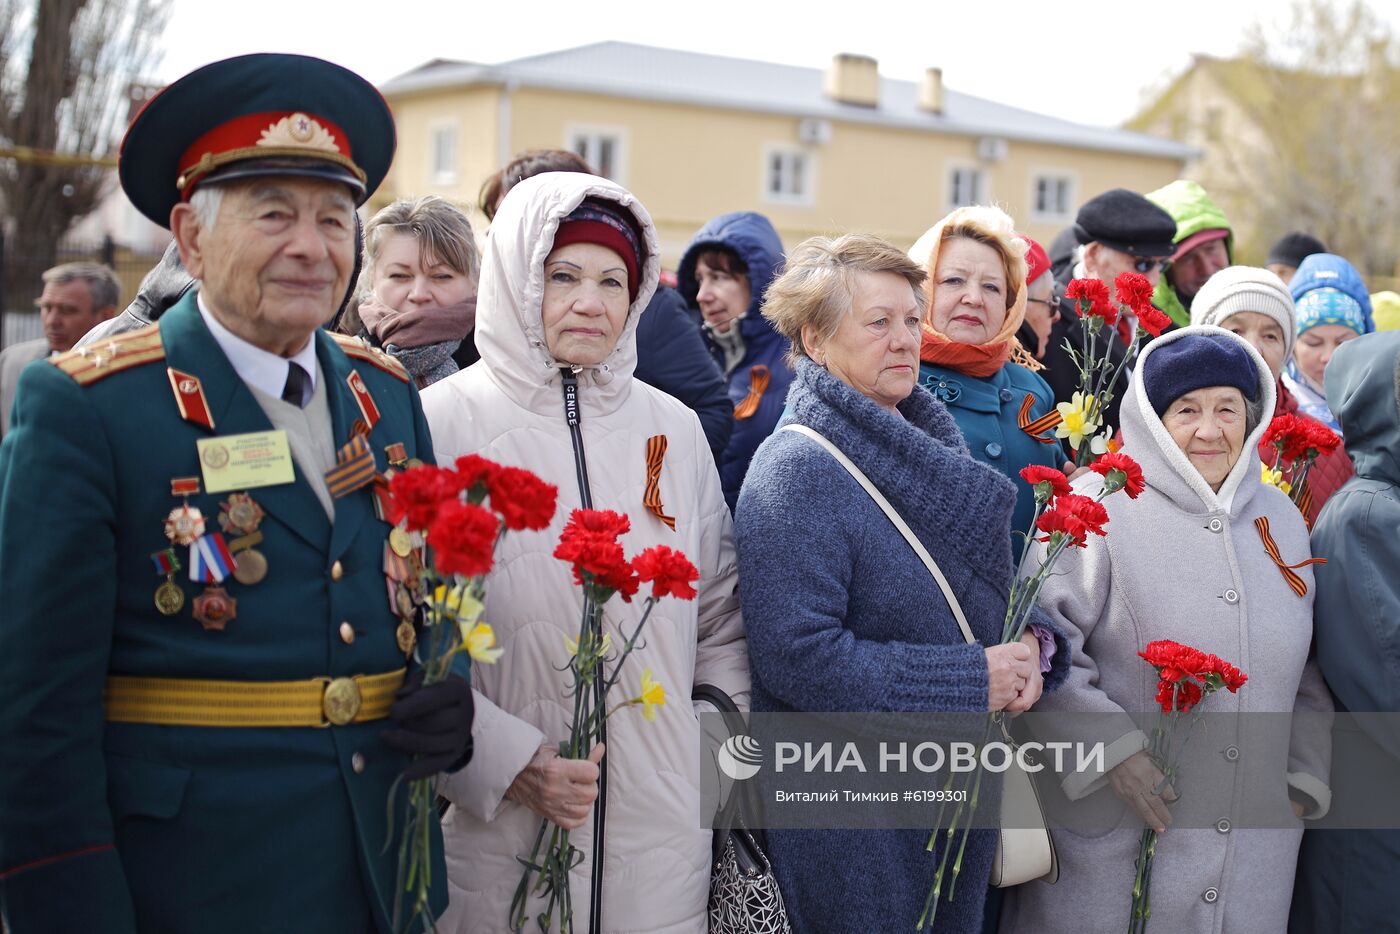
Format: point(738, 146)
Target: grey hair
point(205, 202)
point(1253, 412)
point(103, 285)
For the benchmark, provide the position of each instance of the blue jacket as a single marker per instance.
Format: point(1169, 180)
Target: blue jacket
point(673, 356)
point(753, 238)
point(843, 616)
point(986, 410)
point(1346, 878)
point(124, 827)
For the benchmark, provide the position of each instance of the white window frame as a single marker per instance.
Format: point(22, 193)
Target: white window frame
point(1070, 180)
point(981, 196)
point(436, 172)
point(806, 174)
point(592, 135)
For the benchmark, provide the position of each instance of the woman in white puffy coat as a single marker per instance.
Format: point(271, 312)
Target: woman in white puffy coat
point(570, 263)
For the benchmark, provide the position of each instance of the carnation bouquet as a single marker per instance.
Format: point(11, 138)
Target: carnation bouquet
point(1064, 520)
point(1081, 419)
point(448, 523)
point(1297, 441)
point(1185, 677)
point(590, 544)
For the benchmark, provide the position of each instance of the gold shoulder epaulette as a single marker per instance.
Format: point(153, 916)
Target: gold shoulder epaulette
point(357, 348)
point(96, 361)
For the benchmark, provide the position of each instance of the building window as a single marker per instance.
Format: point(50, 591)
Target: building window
point(966, 185)
point(444, 152)
point(787, 175)
point(601, 147)
point(1053, 198)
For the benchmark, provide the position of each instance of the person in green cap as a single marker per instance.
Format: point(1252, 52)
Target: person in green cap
point(1205, 244)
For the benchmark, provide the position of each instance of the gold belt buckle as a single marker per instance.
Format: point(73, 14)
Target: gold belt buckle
point(341, 701)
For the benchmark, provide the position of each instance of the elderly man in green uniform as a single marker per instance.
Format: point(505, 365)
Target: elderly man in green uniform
point(199, 659)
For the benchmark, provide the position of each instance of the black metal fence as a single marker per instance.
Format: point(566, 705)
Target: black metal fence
point(21, 267)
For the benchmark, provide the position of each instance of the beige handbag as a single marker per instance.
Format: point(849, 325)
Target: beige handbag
point(1025, 851)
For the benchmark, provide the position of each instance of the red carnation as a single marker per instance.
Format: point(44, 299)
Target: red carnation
point(1298, 437)
point(463, 538)
point(523, 499)
point(669, 572)
point(1153, 321)
point(1074, 516)
point(1321, 438)
point(1129, 477)
point(1092, 291)
point(602, 522)
point(1036, 475)
point(1178, 696)
point(1133, 290)
point(476, 472)
point(418, 493)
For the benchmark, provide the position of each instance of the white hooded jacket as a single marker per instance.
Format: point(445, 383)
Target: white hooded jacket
point(509, 408)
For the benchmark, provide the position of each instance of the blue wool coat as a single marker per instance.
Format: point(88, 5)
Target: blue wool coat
point(843, 616)
point(755, 241)
point(986, 409)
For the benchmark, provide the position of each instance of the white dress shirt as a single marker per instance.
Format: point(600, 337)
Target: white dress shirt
point(257, 367)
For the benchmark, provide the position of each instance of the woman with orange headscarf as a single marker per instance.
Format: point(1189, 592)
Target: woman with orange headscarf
point(970, 358)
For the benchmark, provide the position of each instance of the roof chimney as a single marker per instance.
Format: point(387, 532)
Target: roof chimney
point(931, 91)
point(853, 79)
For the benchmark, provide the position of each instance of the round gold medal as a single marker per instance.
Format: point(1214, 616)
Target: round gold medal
point(250, 567)
point(170, 599)
point(407, 637)
point(403, 602)
point(399, 542)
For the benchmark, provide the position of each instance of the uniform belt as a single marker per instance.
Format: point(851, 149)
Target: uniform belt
point(196, 702)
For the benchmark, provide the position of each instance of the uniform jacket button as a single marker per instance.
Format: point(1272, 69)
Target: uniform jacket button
point(993, 449)
point(357, 763)
point(337, 571)
point(347, 633)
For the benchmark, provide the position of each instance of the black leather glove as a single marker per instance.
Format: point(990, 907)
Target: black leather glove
point(434, 725)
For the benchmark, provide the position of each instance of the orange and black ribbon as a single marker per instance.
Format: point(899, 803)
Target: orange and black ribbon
point(354, 468)
point(758, 383)
point(1294, 581)
point(1305, 499)
point(656, 455)
point(1041, 425)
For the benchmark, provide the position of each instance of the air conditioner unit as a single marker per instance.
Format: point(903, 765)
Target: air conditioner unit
point(814, 131)
point(991, 149)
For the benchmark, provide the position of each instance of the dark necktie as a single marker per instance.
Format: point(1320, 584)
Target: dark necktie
point(295, 389)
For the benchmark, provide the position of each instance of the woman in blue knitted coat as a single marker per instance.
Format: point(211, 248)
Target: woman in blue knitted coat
point(841, 613)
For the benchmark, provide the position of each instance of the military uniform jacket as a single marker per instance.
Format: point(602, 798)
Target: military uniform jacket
point(120, 827)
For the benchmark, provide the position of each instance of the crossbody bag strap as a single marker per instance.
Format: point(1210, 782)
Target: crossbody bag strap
point(895, 518)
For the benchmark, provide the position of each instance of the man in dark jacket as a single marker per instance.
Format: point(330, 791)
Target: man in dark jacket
point(1118, 231)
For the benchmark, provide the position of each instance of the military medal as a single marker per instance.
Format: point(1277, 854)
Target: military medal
point(400, 542)
point(396, 454)
point(214, 608)
point(240, 514)
point(407, 637)
point(169, 598)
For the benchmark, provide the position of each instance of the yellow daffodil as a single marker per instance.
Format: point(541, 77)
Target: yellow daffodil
point(1079, 419)
point(1275, 478)
point(653, 696)
point(480, 643)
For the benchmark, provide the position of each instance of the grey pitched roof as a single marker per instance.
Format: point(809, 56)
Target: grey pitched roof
point(643, 72)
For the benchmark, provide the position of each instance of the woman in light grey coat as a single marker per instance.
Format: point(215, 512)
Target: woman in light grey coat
point(1186, 561)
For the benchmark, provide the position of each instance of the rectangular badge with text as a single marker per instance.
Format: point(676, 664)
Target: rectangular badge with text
point(245, 462)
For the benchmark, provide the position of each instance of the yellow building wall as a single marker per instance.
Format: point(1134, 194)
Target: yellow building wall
point(690, 163)
point(474, 113)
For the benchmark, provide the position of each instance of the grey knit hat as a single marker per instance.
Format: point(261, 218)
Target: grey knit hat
point(1246, 288)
